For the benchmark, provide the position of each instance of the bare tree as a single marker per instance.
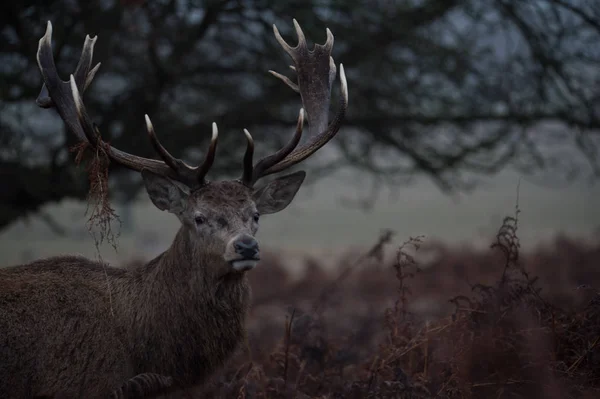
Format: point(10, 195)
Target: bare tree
point(449, 89)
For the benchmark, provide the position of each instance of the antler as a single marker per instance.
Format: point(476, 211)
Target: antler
point(66, 98)
point(316, 72)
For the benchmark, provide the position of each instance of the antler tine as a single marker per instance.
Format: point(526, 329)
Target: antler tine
point(329, 42)
point(286, 80)
point(265, 163)
point(209, 158)
point(288, 49)
point(197, 175)
point(292, 51)
point(300, 34)
point(169, 159)
point(65, 96)
point(248, 156)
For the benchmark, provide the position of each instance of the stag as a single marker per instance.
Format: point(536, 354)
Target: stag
point(74, 327)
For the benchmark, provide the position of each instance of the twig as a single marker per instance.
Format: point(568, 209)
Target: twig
point(288, 335)
point(583, 355)
point(507, 382)
point(375, 251)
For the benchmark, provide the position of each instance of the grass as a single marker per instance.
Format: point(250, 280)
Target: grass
point(468, 324)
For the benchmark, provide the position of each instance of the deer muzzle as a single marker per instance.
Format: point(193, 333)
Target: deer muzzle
point(244, 251)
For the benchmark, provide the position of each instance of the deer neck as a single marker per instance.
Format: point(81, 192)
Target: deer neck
point(184, 303)
point(188, 271)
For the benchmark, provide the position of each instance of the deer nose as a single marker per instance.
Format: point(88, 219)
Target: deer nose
point(247, 246)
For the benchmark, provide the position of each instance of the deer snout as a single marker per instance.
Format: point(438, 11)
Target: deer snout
point(244, 253)
point(247, 247)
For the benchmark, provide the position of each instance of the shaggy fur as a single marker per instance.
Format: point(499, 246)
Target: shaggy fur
point(73, 327)
point(168, 317)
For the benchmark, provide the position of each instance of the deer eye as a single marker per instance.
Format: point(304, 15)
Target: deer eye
point(256, 217)
point(200, 220)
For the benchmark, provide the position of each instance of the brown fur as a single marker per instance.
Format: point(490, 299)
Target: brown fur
point(73, 327)
point(225, 193)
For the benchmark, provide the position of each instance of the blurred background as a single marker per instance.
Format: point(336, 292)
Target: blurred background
point(458, 111)
point(453, 106)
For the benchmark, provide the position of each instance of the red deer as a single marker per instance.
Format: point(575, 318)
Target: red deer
point(74, 327)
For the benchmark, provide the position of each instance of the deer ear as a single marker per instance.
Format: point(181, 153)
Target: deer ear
point(279, 193)
point(165, 194)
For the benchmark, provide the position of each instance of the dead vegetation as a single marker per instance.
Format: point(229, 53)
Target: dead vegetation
point(101, 215)
point(527, 328)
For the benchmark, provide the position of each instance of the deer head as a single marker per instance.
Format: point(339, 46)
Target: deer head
point(220, 217)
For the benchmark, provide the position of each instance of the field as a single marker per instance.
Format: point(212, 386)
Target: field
point(429, 322)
